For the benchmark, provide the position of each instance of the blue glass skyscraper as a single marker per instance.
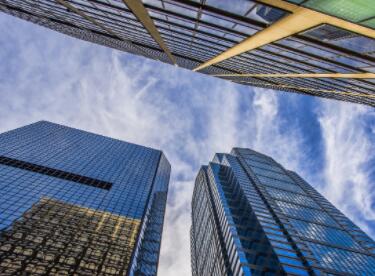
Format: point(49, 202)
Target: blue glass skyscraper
point(251, 216)
point(77, 203)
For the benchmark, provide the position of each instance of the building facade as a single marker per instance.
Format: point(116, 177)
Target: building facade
point(313, 47)
point(250, 216)
point(77, 203)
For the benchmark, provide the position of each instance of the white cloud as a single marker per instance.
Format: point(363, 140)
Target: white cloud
point(271, 136)
point(348, 148)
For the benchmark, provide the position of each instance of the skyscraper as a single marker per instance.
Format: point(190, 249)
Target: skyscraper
point(77, 203)
point(315, 47)
point(250, 216)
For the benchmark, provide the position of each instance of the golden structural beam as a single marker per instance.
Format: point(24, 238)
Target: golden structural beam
point(343, 93)
point(139, 10)
point(310, 75)
point(299, 20)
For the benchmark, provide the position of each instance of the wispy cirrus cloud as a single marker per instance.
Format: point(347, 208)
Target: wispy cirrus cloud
point(189, 116)
point(349, 160)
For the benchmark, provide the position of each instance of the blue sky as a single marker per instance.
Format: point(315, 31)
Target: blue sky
point(190, 116)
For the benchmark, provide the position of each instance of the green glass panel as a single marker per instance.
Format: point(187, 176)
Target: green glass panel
point(351, 10)
point(370, 23)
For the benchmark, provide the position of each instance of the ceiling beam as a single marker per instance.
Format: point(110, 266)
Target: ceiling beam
point(139, 10)
point(300, 19)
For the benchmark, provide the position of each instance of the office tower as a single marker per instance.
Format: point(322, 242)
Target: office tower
point(314, 47)
point(77, 203)
point(250, 216)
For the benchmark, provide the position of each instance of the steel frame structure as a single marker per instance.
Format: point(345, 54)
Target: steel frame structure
point(291, 48)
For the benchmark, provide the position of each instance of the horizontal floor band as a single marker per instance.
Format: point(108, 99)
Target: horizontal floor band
point(55, 173)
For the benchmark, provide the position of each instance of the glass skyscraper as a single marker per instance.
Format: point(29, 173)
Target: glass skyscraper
point(77, 203)
point(323, 48)
point(251, 216)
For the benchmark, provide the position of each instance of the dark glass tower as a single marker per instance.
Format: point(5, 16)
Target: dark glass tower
point(250, 216)
point(77, 203)
point(324, 48)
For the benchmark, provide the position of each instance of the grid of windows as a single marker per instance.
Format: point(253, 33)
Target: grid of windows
point(292, 197)
point(208, 252)
point(46, 160)
point(324, 234)
point(306, 233)
point(305, 213)
point(261, 165)
point(251, 235)
point(288, 186)
point(343, 260)
point(57, 238)
point(196, 31)
point(271, 174)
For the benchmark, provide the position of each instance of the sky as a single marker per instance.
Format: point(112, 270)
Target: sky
point(45, 75)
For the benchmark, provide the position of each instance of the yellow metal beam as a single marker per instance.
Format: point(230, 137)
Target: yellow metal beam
point(299, 20)
point(139, 10)
point(298, 88)
point(310, 75)
point(291, 24)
